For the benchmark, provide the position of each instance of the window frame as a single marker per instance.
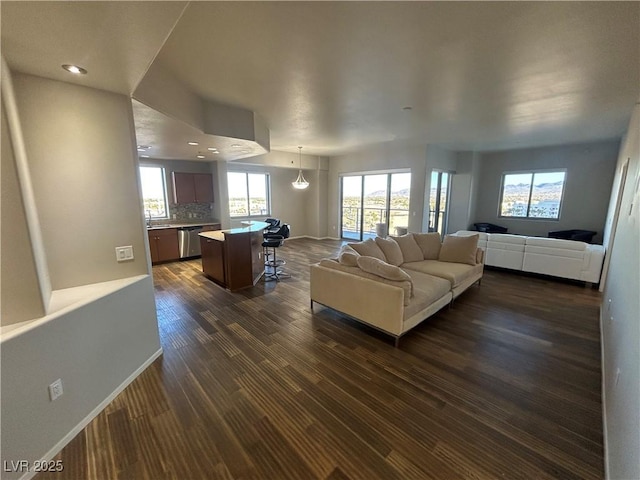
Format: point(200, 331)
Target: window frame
point(267, 194)
point(363, 174)
point(533, 174)
point(163, 175)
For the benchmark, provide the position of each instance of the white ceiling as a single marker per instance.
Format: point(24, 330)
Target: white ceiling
point(335, 76)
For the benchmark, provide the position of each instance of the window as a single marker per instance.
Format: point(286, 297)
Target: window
point(248, 194)
point(370, 200)
point(532, 194)
point(154, 192)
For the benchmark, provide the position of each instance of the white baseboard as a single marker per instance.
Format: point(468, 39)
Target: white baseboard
point(313, 238)
point(93, 414)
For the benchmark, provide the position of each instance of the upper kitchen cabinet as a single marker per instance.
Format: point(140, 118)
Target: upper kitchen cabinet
point(192, 187)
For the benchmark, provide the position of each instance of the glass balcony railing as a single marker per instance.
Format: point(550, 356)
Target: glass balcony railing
point(352, 219)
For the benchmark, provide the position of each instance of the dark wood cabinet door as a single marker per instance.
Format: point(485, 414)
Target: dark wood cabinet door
point(183, 188)
point(203, 186)
point(213, 259)
point(239, 262)
point(167, 244)
point(192, 187)
point(153, 246)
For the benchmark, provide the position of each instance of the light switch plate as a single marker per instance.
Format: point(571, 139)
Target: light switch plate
point(124, 254)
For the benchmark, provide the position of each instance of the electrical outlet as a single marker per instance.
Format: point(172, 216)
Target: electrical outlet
point(55, 390)
point(124, 254)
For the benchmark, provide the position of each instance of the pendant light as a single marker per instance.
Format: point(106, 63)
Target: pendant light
point(300, 182)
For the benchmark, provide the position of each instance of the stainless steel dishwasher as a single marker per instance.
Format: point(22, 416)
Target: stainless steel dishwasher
point(189, 241)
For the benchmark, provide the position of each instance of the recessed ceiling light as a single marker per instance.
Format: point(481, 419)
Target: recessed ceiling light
point(193, 143)
point(212, 149)
point(144, 156)
point(74, 69)
point(199, 156)
point(235, 145)
point(216, 152)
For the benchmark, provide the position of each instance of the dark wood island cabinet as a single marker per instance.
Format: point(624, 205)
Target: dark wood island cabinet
point(233, 258)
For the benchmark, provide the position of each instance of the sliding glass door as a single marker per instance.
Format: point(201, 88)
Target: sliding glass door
point(374, 204)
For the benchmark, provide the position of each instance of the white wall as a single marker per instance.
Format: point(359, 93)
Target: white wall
point(94, 349)
point(316, 213)
point(81, 159)
point(464, 191)
point(21, 298)
point(386, 156)
point(620, 324)
point(287, 203)
point(81, 150)
point(590, 169)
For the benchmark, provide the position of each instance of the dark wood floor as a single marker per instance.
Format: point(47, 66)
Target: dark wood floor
point(252, 385)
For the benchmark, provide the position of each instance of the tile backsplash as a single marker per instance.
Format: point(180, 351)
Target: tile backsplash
point(191, 211)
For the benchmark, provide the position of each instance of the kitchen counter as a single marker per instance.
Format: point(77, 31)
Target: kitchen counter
point(250, 227)
point(171, 241)
point(181, 225)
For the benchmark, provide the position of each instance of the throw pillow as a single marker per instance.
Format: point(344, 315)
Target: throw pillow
point(410, 250)
point(391, 250)
point(348, 256)
point(459, 249)
point(369, 248)
point(429, 243)
point(382, 269)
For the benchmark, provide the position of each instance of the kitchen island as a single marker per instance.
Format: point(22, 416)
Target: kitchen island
point(233, 258)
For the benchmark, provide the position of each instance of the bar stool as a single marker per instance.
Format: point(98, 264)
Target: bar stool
point(272, 240)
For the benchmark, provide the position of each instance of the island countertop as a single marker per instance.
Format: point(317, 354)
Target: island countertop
point(220, 234)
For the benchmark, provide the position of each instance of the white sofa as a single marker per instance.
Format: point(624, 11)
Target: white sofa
point(548, 256)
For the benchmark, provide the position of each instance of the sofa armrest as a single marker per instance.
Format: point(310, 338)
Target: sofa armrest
point(592, 268)
point(479, 255)
point(378, 304)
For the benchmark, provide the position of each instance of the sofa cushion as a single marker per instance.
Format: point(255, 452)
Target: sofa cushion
point(455, 273)
point(391, 250)
point(426, 290)
point(406, 285)
point(410, 250)
point(555, 243)
point(348, 256)
point(382, 269)
point(507, 238)
point(429, 243)
point(369, 248)
point(459, 249)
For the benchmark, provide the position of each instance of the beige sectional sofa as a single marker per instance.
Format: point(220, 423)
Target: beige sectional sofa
point(394, 284)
